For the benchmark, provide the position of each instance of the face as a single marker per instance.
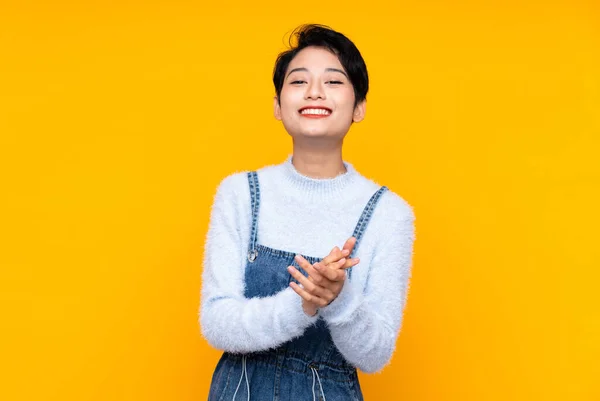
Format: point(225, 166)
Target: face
point(317, 98)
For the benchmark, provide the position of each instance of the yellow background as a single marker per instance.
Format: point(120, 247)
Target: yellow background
point(118, 120)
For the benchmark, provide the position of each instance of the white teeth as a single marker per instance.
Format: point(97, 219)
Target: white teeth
point(316, 111)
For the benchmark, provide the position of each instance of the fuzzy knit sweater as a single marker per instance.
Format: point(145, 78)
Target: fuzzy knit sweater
point(308, 216)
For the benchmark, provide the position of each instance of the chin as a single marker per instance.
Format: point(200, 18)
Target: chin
point(311, 134)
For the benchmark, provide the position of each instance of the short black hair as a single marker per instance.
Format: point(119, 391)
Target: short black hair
point(325, 37)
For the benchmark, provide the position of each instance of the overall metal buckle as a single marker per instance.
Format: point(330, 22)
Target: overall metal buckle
point(252, 255)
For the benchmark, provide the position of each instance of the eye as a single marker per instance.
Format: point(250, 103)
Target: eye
point(297, 82)
point(335, 82)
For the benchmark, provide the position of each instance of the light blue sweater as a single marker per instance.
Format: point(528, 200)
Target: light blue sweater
point(308, 216)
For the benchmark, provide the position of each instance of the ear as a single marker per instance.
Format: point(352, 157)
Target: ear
point(276, 109)
point(359, 112)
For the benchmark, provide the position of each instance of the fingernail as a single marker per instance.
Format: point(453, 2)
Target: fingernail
point(290, 269)
point(345, 252)
point(317, 266)
point(297, 258)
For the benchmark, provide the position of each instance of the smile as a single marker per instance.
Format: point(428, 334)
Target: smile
point(315, 112)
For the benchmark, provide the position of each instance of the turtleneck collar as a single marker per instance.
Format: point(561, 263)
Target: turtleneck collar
point(321, 188)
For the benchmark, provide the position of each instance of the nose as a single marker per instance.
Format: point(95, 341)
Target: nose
point(314, 90)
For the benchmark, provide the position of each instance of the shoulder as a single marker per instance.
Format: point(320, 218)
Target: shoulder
point(395, 206)
point(393, 216)
point(233, 189)
point(237, 183)
point(233, 182)
point(391, 205)
point(393, 222)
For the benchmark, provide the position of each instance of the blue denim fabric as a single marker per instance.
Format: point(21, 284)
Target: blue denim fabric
point(309, 367)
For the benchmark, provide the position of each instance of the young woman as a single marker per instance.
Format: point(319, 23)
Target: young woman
point(294, 317)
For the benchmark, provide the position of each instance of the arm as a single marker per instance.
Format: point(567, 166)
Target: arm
point(229, 321)
point(365, 325)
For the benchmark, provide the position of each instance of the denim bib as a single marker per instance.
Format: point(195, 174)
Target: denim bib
point(309, 367)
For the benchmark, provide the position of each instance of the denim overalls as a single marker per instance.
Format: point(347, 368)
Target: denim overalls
point(306, 368)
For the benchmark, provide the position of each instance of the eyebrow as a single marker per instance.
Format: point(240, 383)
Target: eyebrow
point(326, 69)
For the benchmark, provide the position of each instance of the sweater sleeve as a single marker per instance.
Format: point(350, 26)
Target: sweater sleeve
point(365, 324)
point(228, 320)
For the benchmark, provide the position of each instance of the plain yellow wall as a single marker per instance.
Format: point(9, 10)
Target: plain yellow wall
point(118, 120)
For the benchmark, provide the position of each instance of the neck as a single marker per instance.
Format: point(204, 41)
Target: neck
point(319, 186)
point(322, 164)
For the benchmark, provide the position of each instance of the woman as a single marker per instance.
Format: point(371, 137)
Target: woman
point(295, 317)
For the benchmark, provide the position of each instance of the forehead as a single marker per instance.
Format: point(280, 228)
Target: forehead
point(315, 58)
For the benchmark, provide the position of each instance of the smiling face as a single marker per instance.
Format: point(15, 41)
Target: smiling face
point(317, 98)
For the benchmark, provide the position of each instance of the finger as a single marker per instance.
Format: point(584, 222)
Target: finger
point(308, 285)
point(307, 266)
point(335, 255)
point(349, 245)
point(310, 297)
point(338, 265)
point(351, 263)
point(321, 278)
point(300, 291)
point(331, 274)
point(328, 273)
point(347, 264)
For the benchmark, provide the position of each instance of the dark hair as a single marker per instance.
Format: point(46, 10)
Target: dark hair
point(337, 43)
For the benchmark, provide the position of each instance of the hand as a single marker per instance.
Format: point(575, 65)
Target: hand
point(326, 278)
point(336, 255)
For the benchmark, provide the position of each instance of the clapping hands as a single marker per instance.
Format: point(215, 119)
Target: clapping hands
point(325, 278)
